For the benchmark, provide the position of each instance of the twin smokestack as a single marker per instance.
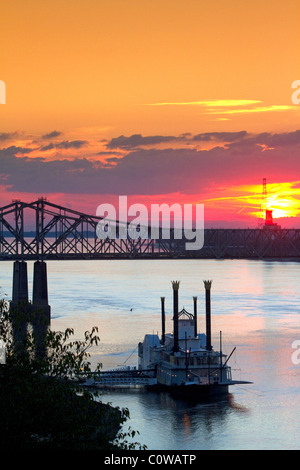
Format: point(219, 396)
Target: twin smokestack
point(175, 285)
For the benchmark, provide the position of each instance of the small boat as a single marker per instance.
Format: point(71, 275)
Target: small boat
point(184, 362)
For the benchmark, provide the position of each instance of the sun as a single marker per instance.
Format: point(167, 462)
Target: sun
point(248, 202)
point(283, 201)
point(278, 213)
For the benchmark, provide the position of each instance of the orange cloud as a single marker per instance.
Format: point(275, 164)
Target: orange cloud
point(259, 109)
point(212, 103)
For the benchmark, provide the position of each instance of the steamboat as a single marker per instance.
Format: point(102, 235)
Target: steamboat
point(183, 363)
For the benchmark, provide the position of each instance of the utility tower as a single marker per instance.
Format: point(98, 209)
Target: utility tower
point(267, 214)
point(263, 204)
point(265, 188)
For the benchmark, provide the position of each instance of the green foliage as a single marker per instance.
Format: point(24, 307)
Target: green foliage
point(42, 404)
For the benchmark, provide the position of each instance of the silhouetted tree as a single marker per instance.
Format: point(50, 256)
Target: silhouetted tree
point(43, 406)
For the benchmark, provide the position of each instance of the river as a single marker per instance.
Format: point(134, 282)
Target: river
point(256, 305)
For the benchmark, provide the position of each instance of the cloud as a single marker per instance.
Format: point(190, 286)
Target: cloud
point(283, 139)
point(268, 140)
point(245, 159)
point(52, 135)
point(137, 140)
point(74, 144)
point(220, 136)
point(7, 135)
point(14, 150)
point(259, 109)
point(104, 153)
point(209, 103)
point(229, 106)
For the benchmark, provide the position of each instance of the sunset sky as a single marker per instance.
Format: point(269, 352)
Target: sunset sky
point(163, 101)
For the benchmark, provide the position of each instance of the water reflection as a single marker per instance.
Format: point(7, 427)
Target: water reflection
point(170, 423)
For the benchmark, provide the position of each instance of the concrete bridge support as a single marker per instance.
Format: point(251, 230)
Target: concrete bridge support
point(19, 306)
point(22, 312)
point(40, 310)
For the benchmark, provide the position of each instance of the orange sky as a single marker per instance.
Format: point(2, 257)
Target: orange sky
point(97, 70)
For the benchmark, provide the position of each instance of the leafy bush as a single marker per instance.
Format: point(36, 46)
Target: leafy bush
point(42, 404)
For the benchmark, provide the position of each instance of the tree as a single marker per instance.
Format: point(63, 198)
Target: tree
point(42, 404)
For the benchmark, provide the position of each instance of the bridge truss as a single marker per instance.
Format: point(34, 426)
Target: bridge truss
point(43, 230)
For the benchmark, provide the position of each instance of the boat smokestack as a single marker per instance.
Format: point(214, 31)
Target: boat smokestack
point(195, 316)
point(175, 285)
point(207, 285)
point(163, 321)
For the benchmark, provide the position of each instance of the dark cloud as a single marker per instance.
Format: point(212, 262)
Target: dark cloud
point(109, 153)
point(268, 140)
point(7, 135)
point(137, 140)
point(13, 150)
point(73, 144)
point(273, 140)
point(47, 147)
point(52, 135)
point(158, 171)
point(220, 136)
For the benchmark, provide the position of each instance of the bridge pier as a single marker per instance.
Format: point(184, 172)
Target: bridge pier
point(40, 309)
point(19, 306)
point(22, 312)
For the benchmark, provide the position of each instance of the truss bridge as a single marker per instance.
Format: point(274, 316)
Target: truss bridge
point(41, 230)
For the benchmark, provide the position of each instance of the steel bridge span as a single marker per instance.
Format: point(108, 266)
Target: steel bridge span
point(41, 230)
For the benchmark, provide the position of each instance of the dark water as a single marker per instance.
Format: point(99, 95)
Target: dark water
point(256, 304)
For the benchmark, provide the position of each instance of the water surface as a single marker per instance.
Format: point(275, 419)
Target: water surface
point(256, 304)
